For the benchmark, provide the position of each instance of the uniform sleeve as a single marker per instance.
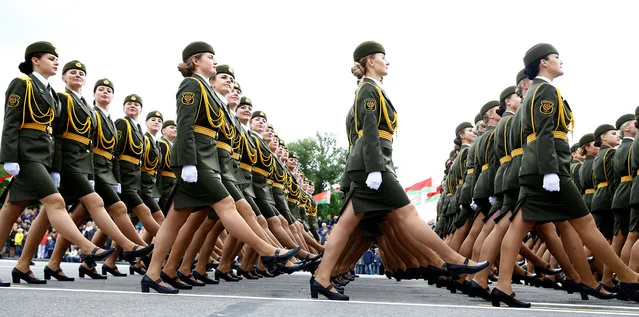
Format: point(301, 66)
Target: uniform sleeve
point(368, 106)
point(544, 111)
point(13, 108)
point(58, 129)
point(188, 98)
point(610, 169)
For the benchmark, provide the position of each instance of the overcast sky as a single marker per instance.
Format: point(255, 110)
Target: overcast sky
point(293, 58)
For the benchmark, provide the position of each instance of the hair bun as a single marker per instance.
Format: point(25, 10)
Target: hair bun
point(358, 70)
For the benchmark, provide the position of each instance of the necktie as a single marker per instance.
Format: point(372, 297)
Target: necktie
point(84, 101)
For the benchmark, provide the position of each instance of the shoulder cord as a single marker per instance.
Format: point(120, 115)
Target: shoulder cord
point(40, 118)
point(103, 142)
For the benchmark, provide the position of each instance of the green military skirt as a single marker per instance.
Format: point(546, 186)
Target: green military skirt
point(106, 192)
point(233, 190)
point(33, 183)
point(294, 209)
point(208, 190)
point(149, 192)
point(508, 204)
point(281, 204)
point(622, 221)
point(634, 219)
point(74, 186)
point(540, 205)
point(465, 215)
point(166, 185)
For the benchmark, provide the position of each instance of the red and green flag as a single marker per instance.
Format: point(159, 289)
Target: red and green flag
point(418, 192)
point(323, 197)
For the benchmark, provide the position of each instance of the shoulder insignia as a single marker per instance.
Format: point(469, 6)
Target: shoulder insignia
point(188, 98)
point(370, 104)
point(119, 134)
point(547, 107)
point(14, 100)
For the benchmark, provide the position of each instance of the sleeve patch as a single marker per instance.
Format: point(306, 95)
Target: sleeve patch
point(119, 134)
point(370, 104)
point(547, 107)
point(14, 100)
point(188, 98)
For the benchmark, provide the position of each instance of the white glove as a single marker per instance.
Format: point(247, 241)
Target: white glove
point(12, 168)
point(189, 173)
point(92, 183)
point(55, 176)
point(492, 200)
point(118, 188)
point(374, 180)
point(551, 182)
point(473, 206)
point(156, 199)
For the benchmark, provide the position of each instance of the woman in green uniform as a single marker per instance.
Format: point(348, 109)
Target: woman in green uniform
point(374, 186)
point(196, 164)
point(547, 194)
point(605, 183)
point(586, 177)
point(167, 179)
point(30, 154)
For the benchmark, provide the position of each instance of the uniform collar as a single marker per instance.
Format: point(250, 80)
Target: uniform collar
point(41, 79)
point(106, 113)
point(546, 79)
point(375, 81)
point(202, 76)
point(629, 138)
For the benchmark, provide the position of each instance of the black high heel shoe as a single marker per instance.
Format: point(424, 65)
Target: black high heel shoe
point(570, 287)
point(137, 252)
point(189, 279)
point(272, 262)
point(92, 273)
point(136, 269)
point(146, 283)
point(113, 270)
point(4, 284)
point(224, 276)
point(456, 269)
point(547, 270)
point(498, 296)
point(477, 290)
point(94, 256)
point(210, 266)
point(18, 275)
point(174, 281)
point(48, 273)
point(596, 292)
point(291, 269)
point(628, 291)
point(326, 291)
point(204, 278)
point(255, 273)
point(246, 274)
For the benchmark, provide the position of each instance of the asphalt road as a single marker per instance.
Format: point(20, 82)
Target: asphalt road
point(284, 295)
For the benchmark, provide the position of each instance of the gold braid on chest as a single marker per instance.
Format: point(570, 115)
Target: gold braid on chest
point(149, 164)
point(267, 159)
point(215, 118)
point(103, 142)
point(36, 115)
point(251, 155)
point(137, 149)
point(383, 112)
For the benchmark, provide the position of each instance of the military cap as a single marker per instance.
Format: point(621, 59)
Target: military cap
point(574, 147)
point(246, 101)
point(103, 82)
point(292, 155)
point(462, 126)
point(133, 98)
point(236, 85)
point(538, 51)
point(587, 138)
point(74, 64)
point(637, 111)
point(367, 48)
point(520, 76)
point(487, 106)
point(623, 119)
point(40, 47)
point(603, 129)
point(225, 69)
point(168, 123)
point(155, 114)
point(196, 48)
point(270, 126)
point(478, 118)
point(506, 93)
point(258, 114)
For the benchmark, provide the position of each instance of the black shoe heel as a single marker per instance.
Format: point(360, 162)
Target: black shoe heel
point(137, 252)
point(174, 282)
point(456, 269)
point(92, 273)
point(226, 276)
point(477, 290)
point(497, 296)
point(595, 292)
point(146, 283)
point(113, 270)
point(546, 270)
point(317, 288)
point(204, 278)
point(94, 256)
point(18, 275)
point(189, 279)
point(48, 273)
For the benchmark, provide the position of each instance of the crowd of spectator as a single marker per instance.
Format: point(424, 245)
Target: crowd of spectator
point(370, 263)
point(324, 227)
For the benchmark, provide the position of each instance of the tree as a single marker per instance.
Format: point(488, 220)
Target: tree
point(322, 162)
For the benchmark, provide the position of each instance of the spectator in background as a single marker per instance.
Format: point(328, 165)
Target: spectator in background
point(18, 239)
point(377, 261)
point(323, 233)
point(359, 266)
point(11, 242)
point(89, 230)
point(49, 247)
point(368, 258)
point(319, 223)
point(72, 254)
point(42, 247)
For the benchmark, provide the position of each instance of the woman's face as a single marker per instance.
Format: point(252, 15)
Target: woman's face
point(378, 64)
point(233, 98)
point(611, 138)
point(74, 79)
point(46, 65)
point(468, 135)
point(273, 144)
point(291, 163)
point(132, 109)
point(103, 95)
point(170, 132)
point(258, 124)
point(243, 112)
point(554, 65)
point(223, 83)
point(205, 65)
point(153, 125)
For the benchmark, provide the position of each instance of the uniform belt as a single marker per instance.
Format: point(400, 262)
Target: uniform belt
point(103, 153)
point(168, 174)
point(625, 179)
point(602, 185)
point(470, 171)
point(150, 172)
point(260, 171)
point(269, 181)
point(224, 146)
point(246, 167)
point(382, 134)
point(293, 200)
point(484, 167)
point(278, 185)
point(449, 194)
point(517, 152)
point(236, 156)
point(504, 159)
point(38, 126)
point(590, 191)
point(460, 182)
point(76, 137)
point(204, 130)
point(130, 159)
point(555, 134)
